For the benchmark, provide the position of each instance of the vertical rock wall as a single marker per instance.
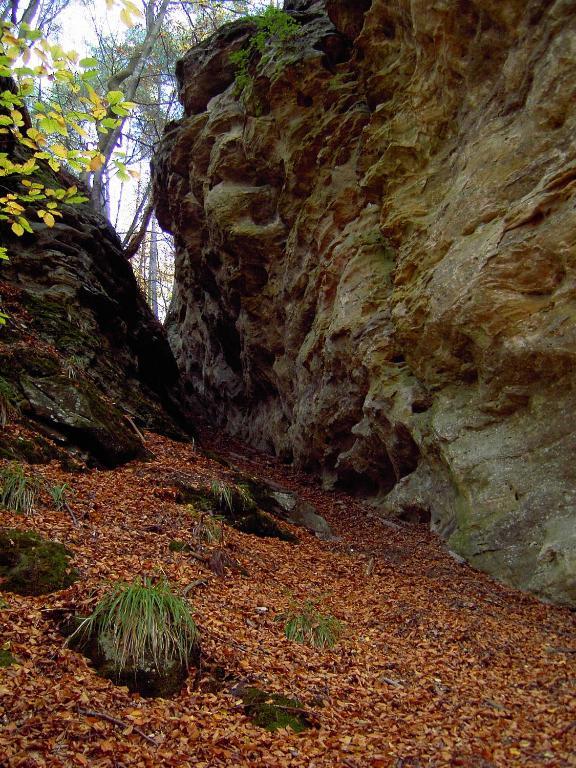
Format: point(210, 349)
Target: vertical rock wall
point(376, 262)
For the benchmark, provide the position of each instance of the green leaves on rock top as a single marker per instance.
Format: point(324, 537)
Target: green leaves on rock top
point(272, 26)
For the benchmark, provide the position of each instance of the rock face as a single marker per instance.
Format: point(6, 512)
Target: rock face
point(376, 262)
point(82, 359)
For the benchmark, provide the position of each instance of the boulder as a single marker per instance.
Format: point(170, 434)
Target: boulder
point(31, 565)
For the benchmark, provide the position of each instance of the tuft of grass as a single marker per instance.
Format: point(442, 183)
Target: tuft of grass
point(306, 624)
point(223, 493)
point(59, 495)
point(208, 527)
point(18, 491)
point(231, 497)
point(8, 402)
point(142, 623)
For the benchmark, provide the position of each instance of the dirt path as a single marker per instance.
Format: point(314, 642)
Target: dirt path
point(439, 666)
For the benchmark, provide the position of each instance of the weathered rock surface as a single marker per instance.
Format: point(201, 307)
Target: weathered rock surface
point(376, 263)
point(82, 357)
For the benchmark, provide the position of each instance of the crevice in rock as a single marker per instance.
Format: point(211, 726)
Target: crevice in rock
point(348, 16)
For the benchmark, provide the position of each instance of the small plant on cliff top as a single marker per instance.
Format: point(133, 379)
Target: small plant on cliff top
point(272, 26)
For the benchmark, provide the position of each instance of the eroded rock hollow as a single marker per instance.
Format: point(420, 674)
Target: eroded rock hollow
point(376, 262)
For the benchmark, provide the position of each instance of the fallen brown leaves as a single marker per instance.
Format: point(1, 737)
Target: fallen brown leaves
point(439, 666)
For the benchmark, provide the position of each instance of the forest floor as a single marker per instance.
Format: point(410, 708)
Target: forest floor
point(439, 665)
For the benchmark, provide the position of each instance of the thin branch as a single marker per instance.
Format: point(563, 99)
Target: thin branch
point(71, 513)
point(137, 238)
point(117, 722)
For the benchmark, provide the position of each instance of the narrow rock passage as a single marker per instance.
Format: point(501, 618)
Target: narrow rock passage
point(438, 665)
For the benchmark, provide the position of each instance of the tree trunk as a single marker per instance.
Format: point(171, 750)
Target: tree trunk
point(133, 245)
point(153, 269)
point(128, 79)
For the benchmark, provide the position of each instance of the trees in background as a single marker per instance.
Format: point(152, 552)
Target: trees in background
point(38, 14)
point(102, 111)
point(140, 62)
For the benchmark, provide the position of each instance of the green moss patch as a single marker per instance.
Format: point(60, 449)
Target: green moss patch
point(273, 711)
point(7, 658)
point(62, 324)
point(179, 546)
point(30, 565)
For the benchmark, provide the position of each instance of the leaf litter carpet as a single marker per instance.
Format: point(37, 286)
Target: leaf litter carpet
point(439, 665)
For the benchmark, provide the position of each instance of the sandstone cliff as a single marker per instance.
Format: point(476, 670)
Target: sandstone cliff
point(376, 262)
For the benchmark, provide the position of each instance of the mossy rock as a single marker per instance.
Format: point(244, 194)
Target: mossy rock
point(61, 323)
point(272, 711)
point(36, 450)
point(281, 503)
point(77, 409)
point(37, 364)
point(147, 680)
point(216, 457)
point(32, 451)
point(241, 513)
point(259, 523)
point(31, 565)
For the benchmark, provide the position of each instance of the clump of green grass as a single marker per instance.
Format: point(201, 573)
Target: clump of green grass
point(142, 623)
point(72, 365)
point(208, 527)
point(59, 495)
point(231, 497)
point(8, 403)
point(306, 624)
point(18, 491)
point(223, 493)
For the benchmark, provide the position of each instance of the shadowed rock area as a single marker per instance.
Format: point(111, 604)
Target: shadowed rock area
point(83, 361)
point(375, 269)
